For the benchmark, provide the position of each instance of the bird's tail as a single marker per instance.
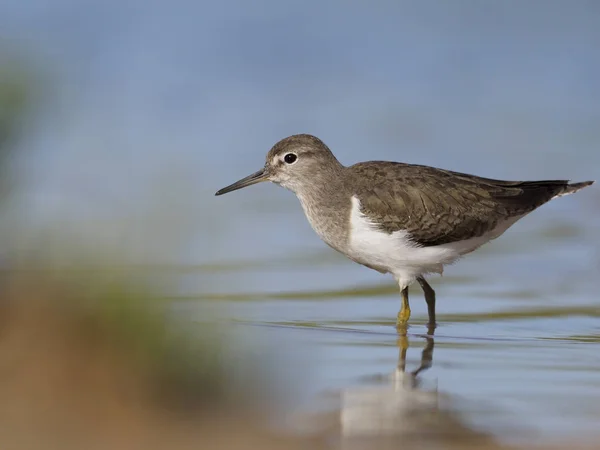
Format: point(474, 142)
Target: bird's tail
point(571, 188)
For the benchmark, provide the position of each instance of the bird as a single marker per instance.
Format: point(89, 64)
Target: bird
point(407, 220)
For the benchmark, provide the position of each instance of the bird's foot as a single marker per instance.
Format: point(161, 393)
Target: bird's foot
point(431, 328)
point(403, 316)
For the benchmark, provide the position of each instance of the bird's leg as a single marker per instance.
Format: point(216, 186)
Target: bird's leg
point(430, 299)
point(404, 313)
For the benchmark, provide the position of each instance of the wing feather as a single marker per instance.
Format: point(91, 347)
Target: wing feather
point(438, 206)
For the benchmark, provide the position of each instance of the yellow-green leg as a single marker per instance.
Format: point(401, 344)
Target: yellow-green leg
point(404, 313)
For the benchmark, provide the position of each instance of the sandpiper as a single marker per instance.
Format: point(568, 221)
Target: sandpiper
point(404, 219)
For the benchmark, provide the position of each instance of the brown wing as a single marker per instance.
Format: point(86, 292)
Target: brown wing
point(439, 206)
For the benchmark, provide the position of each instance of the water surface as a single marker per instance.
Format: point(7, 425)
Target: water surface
point(150, 107)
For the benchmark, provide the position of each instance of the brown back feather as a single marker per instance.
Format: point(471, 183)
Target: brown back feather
point(437, 206)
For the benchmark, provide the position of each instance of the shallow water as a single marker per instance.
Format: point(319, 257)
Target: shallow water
point(158, 105)
point(517, 343)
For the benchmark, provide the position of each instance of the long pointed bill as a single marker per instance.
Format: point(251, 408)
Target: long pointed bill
point(256, 177)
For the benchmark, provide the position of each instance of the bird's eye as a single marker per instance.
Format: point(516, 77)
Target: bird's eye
point(290, 158)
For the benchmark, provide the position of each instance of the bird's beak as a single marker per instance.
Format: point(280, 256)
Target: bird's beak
point(256, 177)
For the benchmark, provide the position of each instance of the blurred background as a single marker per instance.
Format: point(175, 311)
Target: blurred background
point(120, 119)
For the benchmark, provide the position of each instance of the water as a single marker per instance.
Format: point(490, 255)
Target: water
point(512, 342)
point(149, 107)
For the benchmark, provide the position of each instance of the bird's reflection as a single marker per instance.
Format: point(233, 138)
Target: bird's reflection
point(404, 413)
point(426, 354)
point(398, 407)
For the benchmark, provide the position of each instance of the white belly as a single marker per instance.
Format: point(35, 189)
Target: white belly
point(397, 254)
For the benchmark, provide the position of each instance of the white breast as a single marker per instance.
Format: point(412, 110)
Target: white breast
point(398, 255)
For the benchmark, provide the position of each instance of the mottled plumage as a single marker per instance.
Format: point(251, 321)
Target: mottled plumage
point(405, 219)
